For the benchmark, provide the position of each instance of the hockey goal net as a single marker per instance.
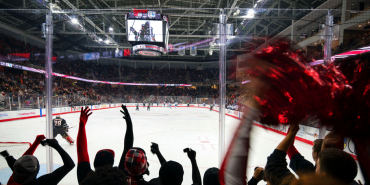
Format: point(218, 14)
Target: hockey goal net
point(15, 149)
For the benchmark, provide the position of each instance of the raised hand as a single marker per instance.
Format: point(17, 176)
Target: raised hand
point(40, 137)
point(85, 113)
point(154, 148)
point(191, 153)
point(294, 128)
point(4, 153)
point(51, 142)
point(257, 174)
point(125, 113)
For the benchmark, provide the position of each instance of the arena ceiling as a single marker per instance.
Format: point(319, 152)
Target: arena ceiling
point(190, 22)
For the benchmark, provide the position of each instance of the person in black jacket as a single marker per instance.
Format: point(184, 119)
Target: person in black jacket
point(26, 168)
point(171, 172)
point(301, 165)
point(276, 170)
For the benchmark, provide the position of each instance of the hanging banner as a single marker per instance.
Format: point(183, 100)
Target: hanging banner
point(193, 51)
point(182, 51)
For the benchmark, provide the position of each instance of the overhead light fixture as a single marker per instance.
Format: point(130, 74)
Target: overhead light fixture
point(107, 41)
point(210, 52)
point(359, 26)
point(117, 51)
point(74, 21)
point(100, 40)
point(250, 14)
point(110, 29)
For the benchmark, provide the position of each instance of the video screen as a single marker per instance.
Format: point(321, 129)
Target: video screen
point(145, 31)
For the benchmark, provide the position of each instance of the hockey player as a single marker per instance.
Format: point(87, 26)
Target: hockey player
point(60, 127)
point(204, 104)
point(2, 101)
point(176, 105)
point(148, 109)
point(137, 107)
point(211, 107)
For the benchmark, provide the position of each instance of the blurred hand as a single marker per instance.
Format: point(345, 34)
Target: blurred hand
point(52, 142)
point(4, 153)
point(191, 154)
point(124, 111)
point(40, 137)
point(294, 128)
point(257, 174)
point(154, 148)
point(85, 113)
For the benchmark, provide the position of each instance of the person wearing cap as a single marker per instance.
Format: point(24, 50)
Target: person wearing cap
point(26, 168)
point(136, 166)
point(60, 127)
point(105, 157)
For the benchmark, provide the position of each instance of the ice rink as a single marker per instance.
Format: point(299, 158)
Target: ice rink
point(173, 129)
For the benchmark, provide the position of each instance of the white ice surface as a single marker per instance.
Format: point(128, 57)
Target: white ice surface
point(173, 129)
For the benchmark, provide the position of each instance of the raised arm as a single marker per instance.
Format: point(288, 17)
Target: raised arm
point(297, 162)
point(276, 167)
point(197, 180)
point(57, 175)
point(82, 153)
point(155, 150)
point(34, 145)
point(129, 137)
point(289, 138)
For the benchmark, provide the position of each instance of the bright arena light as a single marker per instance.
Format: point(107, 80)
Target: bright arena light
point(107, 41)
point(250, 14)
point(100, 40)
point(110, 29)
point(74, 21)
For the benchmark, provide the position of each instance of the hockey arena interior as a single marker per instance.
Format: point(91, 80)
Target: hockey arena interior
point(171, 92)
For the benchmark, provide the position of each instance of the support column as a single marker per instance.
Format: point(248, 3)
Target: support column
point(327, 56)
point(345, 16)
point(222, 79)
point(328, 38)
point(48, 89)
point(293, 32)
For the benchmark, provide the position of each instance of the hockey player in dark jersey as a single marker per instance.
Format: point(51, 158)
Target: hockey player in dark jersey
point(60, 127)
point(148, 107)
point(137, 106)
point(211, 107)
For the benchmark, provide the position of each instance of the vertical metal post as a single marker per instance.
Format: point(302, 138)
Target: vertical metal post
point(327, 55)
point(19, 102)
point(10, 104)
point(38, 101)
point(328, 38)
point(222, 76)
point(49, 85)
